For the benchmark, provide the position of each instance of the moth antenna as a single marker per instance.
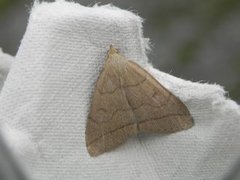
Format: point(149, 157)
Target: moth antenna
point(112, 50)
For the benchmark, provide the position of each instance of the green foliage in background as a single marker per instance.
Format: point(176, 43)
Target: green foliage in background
point(208, 13)
point(208, 16)
point(212, 13)
point(4, 4)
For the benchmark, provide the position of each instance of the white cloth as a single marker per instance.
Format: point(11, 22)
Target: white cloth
point(45, 101)
point(5, 64)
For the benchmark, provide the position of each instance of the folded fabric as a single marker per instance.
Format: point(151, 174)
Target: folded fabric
point(5, 64)
point(45, 101)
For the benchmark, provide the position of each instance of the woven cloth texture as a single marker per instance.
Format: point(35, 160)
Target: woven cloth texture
point(5, 64)
point(46, 97)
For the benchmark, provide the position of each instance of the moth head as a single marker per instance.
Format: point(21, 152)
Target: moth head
point(112, 50)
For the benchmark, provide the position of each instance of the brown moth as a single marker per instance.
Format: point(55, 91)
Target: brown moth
point(128, 100)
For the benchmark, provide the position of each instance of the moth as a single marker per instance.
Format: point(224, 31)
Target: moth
point(127, 100)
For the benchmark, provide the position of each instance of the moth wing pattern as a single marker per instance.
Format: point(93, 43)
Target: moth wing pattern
point(155, 107)
point(128, 100)
point(111, 120)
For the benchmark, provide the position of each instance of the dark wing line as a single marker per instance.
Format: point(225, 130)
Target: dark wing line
point(144, 121)
point(126, 86)
point(170, 93)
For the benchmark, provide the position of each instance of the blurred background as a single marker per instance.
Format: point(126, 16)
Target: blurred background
point(191, 39)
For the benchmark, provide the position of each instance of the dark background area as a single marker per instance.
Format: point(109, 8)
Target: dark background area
point(191, 39)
